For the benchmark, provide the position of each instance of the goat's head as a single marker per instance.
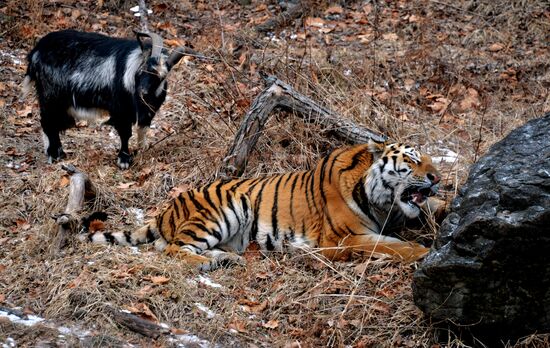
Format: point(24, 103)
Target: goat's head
point(150, 80)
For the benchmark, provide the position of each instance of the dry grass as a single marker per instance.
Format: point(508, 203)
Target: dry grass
point(388, 83)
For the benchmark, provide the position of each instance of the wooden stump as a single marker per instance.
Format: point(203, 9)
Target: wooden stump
point(80, 189)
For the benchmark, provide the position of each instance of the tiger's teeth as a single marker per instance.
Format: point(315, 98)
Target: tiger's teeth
point(418, 198)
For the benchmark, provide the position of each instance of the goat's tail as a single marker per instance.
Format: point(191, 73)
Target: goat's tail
point(26, 86)
point(30, 77)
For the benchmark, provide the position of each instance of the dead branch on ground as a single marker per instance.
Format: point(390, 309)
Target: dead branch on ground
point(80, 189)
point(282, 19)
point(279, 94)
point(137, 324)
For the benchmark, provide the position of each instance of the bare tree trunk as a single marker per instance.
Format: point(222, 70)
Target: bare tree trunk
point(278, 94)
point(80, 188)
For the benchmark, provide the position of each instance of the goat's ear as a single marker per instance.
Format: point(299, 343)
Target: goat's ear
point(146, 49)
point(175, 57)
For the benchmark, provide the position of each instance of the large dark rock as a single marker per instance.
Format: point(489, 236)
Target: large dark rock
point(490, 265)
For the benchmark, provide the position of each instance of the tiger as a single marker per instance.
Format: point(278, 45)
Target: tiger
point(340, 207)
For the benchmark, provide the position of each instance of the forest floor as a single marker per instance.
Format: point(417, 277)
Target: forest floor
point(450, 77)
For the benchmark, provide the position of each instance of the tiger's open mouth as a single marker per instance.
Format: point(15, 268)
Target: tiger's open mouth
point(418, 195)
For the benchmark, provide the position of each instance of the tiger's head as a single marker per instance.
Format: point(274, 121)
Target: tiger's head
point(400, 176)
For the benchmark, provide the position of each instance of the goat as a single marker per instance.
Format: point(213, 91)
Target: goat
point(79, 75)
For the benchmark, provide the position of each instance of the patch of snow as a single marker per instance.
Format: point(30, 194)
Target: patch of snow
point(448, 156)
point(16, 60)
point(135, 9)
point(30, 321)
point(10, 343)
point(190, 340)
point(207, 281)
point(64, 330)
point(209, 313)
point(138, 213)
point(74, 331)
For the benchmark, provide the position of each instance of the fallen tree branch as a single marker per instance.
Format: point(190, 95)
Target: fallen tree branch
point(282, 19)
point(137, 324)
point(279, 94)
point(80, 189)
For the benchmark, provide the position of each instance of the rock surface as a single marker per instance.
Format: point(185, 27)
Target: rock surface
point(490, 265)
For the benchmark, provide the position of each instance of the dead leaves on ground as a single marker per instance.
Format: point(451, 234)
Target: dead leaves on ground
point(251, 306)
point(271, 324)
point(157, 280)
point(142, 311)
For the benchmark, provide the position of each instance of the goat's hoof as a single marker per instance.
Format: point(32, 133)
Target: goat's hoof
point(60, 155)
point(123, 165)
point(124, 161)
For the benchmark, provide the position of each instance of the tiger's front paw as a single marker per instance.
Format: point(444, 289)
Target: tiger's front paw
point(190, 258)
point(224, 258)
point(414, 252)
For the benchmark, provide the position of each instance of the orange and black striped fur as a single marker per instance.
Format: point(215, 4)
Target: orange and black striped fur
point(341, 206)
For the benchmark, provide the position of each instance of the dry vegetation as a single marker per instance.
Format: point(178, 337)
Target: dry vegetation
point(444, 75)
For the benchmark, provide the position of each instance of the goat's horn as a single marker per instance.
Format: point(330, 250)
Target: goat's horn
point(175, 57)
point(156, 43)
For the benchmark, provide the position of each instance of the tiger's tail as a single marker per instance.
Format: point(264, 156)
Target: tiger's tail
point(144, 234)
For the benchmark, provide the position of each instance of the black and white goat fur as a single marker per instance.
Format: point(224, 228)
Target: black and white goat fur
point(78, 75)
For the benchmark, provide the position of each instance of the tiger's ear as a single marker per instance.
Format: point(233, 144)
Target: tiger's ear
point(376, 148)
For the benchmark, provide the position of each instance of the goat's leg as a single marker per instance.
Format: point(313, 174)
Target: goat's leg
point(142, 136)
point(124, 156)
point(50, 137)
